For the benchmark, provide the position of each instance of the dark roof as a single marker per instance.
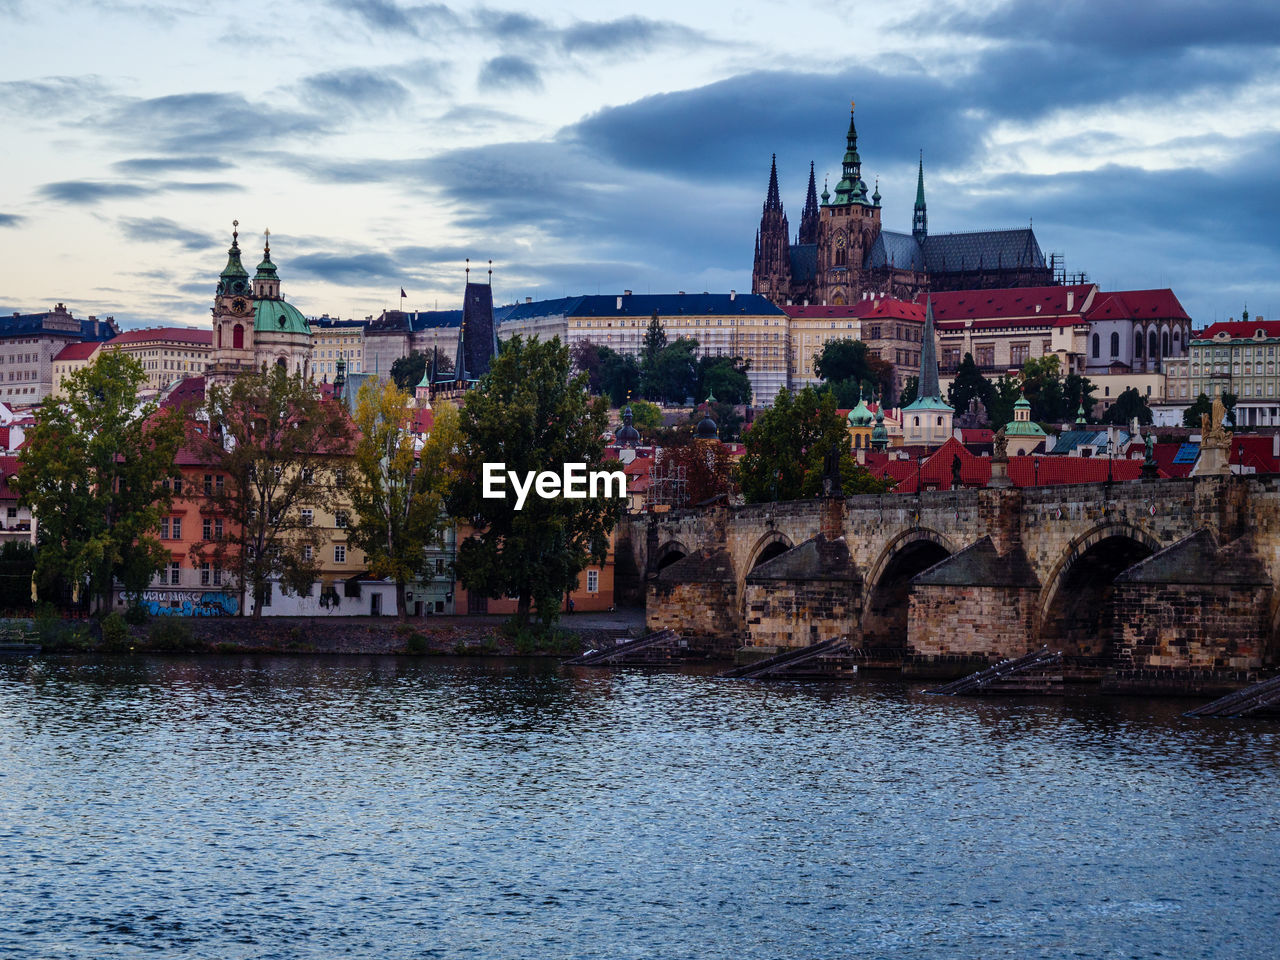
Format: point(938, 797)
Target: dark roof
point(816, 559)
point(429, 319)
point(478, 338)
point(980, 564)
point(946, 252)
point(673, 304)
point(898, 250)
point(804, 262)
point(702, 566)
point(24, 324)
point(559, 307)
point(333, 323)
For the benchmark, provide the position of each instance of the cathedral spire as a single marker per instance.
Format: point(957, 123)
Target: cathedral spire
point(809, 218)
point(773, 201)
point(920, 219)
point(851, 189)
point(927, 386)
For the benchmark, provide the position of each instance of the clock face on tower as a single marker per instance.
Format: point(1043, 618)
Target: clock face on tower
point(239, 305)
point(840, 241)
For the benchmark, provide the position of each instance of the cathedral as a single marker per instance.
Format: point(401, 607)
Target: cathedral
point(841, 254)
point(253, 326)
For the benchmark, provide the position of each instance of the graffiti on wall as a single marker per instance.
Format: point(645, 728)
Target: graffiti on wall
point(190, 603)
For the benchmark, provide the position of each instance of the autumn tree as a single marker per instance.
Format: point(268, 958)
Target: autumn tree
point(398, 492)
point(93, 471)
point(693, 472)
point(529, 415)
point(272, 447)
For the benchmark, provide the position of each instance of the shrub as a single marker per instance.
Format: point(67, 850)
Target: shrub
point(115, 632)
point(136, 614)
point(417, 643)
point(170, 634)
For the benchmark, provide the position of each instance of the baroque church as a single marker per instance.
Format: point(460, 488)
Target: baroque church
point(841, 254)
point(253, 326)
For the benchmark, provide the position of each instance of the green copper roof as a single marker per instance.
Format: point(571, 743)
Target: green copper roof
point(277, 316)
point(1023, 402)
point(234, 276)
point(860, 416)
point(267, 269)
point(929, 403)
point(1023, 428)
point(851, 189)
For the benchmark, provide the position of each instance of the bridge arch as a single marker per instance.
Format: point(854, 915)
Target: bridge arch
point(1074, 611)
point(888, 584)
point(669, 553)
point(770, 545)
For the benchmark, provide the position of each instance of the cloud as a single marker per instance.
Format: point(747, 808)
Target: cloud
point(51, 96)
point(357, 89)
point(390, 17)
point(207, 122)
point(147, 165)
point(509, 72)
point(349, 268)
point(87, 192)
point(628, 33)
point(162, 229)
point(11, 220)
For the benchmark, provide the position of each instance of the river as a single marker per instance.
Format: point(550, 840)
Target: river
point(298, 807)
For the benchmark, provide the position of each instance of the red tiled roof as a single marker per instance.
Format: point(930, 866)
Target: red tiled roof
point(1255, 451)
point(77, 351)
point(189, 390)
point(423, 421)
point(884, 308)
point(1244, 329)
point(1137, 305)
point(1030, 306)
point(8, 467)
point(197, 336)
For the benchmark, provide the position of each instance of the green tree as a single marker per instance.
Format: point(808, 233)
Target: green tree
point(691, 473)
point(17, 565)
point(655, 338)
point(530, 416)
point(93, 471)
point(725, 377)
point(1202, 407)
point(1077, 391)
point(1007, 392)
point(673, 376)
point(1229, 400)
point(1042, 386)
point(1128, 405)
point(909, 390)
point(853, 370)
point(970, 384)
point(647, 417)
point(407, 371)
point(787, 445)
point(398, 493)
point(272, 447)
point(619, 375)
point(586, 359)
point(728, 420)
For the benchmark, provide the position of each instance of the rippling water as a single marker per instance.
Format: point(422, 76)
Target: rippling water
point(260, 807)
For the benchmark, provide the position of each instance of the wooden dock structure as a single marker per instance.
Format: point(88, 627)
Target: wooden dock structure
point(825, 660)
point(1262, 697)
point(1034, 673)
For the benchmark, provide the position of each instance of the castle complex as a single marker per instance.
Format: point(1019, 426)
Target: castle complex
point(841, 254)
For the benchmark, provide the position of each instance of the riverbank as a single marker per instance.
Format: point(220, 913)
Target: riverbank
point(436, 636)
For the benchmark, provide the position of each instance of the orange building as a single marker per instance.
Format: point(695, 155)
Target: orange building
point(593, 592)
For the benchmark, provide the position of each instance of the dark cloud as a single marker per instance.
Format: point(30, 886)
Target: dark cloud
point(148, 165)
point(628, 33)
point(162, 229)
point(52, 95)
point(348, 268)
point(207, 122)
point(391, 17)
point(509, 72)
point(11, 220)
point(87, 192)
point(363, 91)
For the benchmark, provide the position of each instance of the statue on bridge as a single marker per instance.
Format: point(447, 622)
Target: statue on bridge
point(831, 472)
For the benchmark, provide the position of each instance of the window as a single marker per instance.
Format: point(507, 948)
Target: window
point(206, 530)
point(266, 595)
point(306, 518)
point(1097, 341)
point(177, 528)
point(204, 574)
point(177, 486)
point(175, 573)
point(217, 528)
point(339, 553)
point(986, 356)
point(340, 519)
point(13, 513)
point(1115, 344)
point(307, 553)
point(164, 528)
point(218, 484)
point(217, 576)
point(593, 581)
point(208, 484)
point(1153, 345)
point(1019, 353)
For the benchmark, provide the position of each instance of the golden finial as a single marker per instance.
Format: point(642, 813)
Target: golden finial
point(235, 233)
point(851, 106)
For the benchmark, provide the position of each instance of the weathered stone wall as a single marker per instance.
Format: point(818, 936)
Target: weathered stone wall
point(971, 621)
point(694, 609)
point(1192, 626)
point(796, 613)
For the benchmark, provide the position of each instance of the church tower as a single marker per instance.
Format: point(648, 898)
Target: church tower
point(771, 274)
point(849, 224)
point(920, 219)
point(281, 334)
point(232, 317)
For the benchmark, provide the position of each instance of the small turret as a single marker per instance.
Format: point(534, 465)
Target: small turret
point(234, 278)
point(920, 218)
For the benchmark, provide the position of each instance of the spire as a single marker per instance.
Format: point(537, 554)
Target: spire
point(920, 219)
point(928, 383)
point(809, 218)
point(851, 189)
point(825, 195)
point(773, 201)
point(234, 277)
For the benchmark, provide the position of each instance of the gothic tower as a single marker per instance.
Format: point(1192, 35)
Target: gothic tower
point(809, 218)
point(848, 226)
point(771, 274)
point(920, 219)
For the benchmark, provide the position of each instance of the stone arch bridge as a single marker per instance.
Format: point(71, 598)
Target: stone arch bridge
point(1150, 581)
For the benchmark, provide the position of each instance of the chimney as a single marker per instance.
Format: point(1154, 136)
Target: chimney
point(626, 293)
point(528, 299)
point(733, 295)
point(1071, 301)
point(681, 292)
point(619, 307)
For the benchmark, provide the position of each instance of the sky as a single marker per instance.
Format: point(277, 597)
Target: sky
point(588, 147)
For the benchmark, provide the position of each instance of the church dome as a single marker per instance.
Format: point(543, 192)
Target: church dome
point(278, 316)
point(860, 416)
point(627, 435)
point(707, 429)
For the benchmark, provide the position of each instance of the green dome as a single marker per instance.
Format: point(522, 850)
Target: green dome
point(277, 316)
point(860, 416)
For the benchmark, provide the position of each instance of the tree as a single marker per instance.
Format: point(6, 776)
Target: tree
point(530, 416)
point(586, 359)
point(646, 417)
point(655, 338)
point(725, 377)
point(1077, 392)
point(407, 371)
point(694, 472)
point(1042, 386)
point(787, 445)
point(1229, 401)
point(970, 384)
point(849, 363)
point(1007, 392)
point(93, 471)
point(1128, 405)
point(398, 493)
point(673, 376)
point(275, 443)
point(1202, 407)
point(728, 420)
point(619, 375)
point(909, 390)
